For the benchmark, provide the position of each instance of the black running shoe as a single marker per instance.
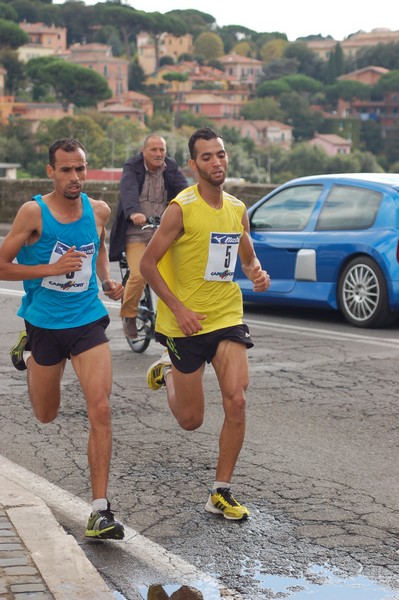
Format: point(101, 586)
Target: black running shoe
point(102, 526)
point(17, 351)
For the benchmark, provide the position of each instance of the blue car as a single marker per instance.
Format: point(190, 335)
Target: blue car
point(330, 241)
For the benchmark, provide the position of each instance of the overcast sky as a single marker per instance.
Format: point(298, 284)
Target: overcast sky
point(296, 18)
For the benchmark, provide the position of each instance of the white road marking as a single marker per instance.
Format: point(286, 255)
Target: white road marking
point(264, 324)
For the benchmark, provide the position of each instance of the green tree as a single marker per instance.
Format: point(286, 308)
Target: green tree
point(262, 108)
point(27, 10)
point(15, 76)
point(209, 45)
point(19, 141)
point(189, 119)
point(80, 21)
point(336, 64)
point(166, 60)
point(383, 55)
point(181, 79)
point(391, 146)
point(244, 48)
point(7, 12)
point(50, 14)
point(303, 84)
point(157, 24)
point(272, 50)
point(232, 34)
point(88, 132)
point(299, 114)
point(110, 35)
point(278, 68)
point(11, 35)
point(347, 90)
point(136, 76)
point(302, 159)
point(124, 136)
point(126, 20)
point(196, 21)
point(371, 136)
point(387, 83)
point(308, 61)
point(62, 77)
point(272, 88)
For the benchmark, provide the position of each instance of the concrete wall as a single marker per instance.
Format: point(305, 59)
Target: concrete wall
point(16, 192)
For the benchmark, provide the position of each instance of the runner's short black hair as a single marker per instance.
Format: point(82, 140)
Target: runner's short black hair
point(205, 133)
point(66, 144)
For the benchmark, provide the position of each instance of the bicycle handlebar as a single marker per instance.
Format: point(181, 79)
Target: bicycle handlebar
point(152, 223)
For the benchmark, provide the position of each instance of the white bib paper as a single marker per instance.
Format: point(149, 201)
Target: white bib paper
point(76, 281)
point(222, 256)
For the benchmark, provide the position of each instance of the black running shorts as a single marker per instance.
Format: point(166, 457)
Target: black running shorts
point(189, 353)
point(51, 346)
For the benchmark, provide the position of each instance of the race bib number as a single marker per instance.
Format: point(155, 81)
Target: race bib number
point(222, 256)
point(76, 281)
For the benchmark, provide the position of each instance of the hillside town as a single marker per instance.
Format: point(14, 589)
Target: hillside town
point(219, 91)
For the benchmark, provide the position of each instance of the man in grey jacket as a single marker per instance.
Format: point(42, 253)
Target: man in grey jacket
point(149, 181)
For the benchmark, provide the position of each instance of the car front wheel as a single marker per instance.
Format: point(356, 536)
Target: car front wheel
point(363, 294)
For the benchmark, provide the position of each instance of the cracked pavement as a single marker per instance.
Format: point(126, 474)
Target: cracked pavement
point(318, 471)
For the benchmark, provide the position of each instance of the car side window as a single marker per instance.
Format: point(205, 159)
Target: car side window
point(288, 210)
point(349, 207)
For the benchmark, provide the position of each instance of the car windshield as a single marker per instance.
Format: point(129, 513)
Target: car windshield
point(287, 210)
point(349, 207)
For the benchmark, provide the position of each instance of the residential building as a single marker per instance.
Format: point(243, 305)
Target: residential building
point(53, 38)
point(119, 109)
point(29, 51)
point(33, 112)
point(174, 46)
point(8, 170)
point(243, 70)
point(385, 112)
point(332, 144)
point(264, 133)
point(168, 45)
point(368, 75)
point(99, 58)
point(198, 76)
point(132, 99)
point(207, 105)
point(353, 43)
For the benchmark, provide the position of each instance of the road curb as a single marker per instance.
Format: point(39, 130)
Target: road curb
point(37, 556)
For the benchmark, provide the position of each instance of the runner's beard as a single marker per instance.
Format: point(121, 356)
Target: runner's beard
point(72, 195)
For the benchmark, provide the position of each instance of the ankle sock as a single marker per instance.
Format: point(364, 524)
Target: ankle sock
point(99, 504)
point(220, 484)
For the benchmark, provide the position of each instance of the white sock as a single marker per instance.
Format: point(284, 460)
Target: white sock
point(99, 504)
point(26, 354)
point(166, 370)
point(220, 484)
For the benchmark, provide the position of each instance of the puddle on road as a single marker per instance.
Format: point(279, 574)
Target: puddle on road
point(323, 583)
point(319, 583)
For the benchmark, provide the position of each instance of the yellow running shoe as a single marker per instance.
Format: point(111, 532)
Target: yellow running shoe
point(221, 502)
point(157, 371)
point(17, 352)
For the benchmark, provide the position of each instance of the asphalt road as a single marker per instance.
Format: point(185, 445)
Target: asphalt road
point(319, 469)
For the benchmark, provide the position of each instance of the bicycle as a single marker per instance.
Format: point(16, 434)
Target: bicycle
point(145, 320)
